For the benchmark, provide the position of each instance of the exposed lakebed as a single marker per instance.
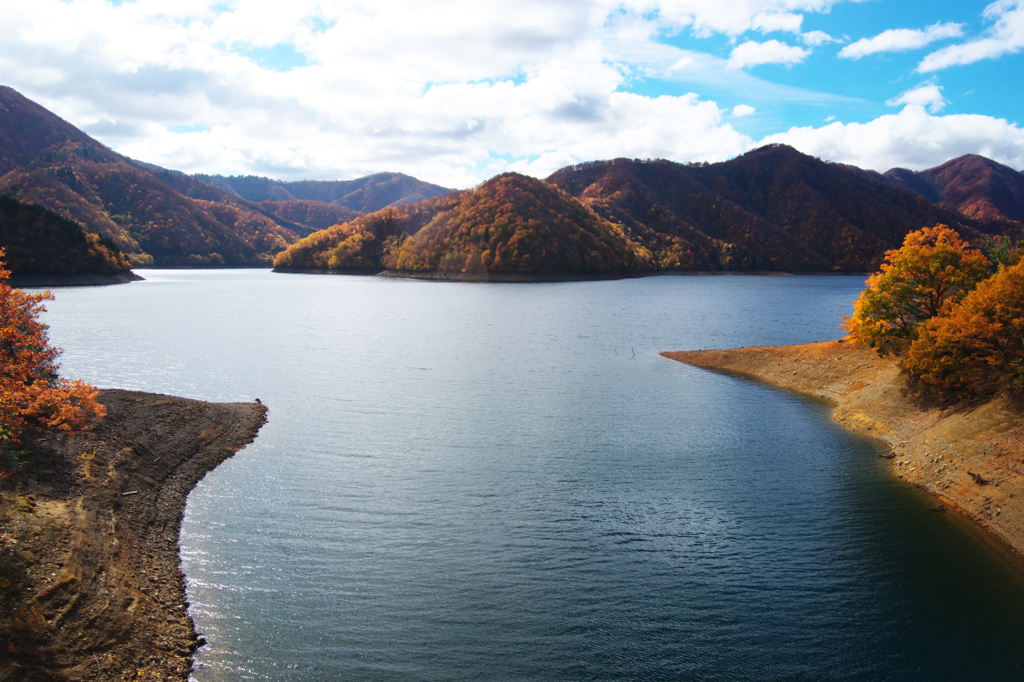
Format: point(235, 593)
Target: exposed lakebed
point(506, 481)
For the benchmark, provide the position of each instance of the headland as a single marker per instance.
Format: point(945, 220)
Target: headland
point(970, 455)
point(90, 580)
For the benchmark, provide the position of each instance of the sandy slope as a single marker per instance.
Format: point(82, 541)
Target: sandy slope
point(90, 585)
point(972, 457)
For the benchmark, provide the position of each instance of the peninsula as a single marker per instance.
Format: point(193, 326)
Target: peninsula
point(90, 580)
point(971, 456)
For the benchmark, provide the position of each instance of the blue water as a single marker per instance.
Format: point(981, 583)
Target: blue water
point(467, 481)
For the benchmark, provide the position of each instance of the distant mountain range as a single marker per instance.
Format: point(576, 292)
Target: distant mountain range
point(772, 209)
point(167, 218)
point(973, 185)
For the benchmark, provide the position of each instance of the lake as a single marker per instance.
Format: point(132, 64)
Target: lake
point(470, 481)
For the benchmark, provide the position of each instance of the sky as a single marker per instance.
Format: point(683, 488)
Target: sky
point(457, 91)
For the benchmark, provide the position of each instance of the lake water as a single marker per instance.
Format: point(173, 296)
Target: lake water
point(465, 481)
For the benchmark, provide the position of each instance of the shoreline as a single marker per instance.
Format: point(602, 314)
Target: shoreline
point(91, 586)
point(970, 456)
point(446, 276)
point(84, 280)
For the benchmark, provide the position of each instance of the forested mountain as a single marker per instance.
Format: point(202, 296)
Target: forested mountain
point(163, 217)
point(46, 161)
point(770, 209)
point(312, 215)
point(40, 243)
point(364, 195)
point(978, 187)
point(512, 225)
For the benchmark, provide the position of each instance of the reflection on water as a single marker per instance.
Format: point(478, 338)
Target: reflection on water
point(473, 481)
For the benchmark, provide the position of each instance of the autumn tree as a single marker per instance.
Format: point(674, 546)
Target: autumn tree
point(933, 271)
point(32, 394)
point(979, 345)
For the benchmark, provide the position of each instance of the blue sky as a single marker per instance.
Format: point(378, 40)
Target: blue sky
point(456, 91)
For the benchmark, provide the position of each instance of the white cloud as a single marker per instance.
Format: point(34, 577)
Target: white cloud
point(452, 91)
point(899, 39)
point(928, 95)
point(816, 38)
point(910, 139)
point(766, 22)
point(1006, 37)
point(732, 17)
point(752, 53)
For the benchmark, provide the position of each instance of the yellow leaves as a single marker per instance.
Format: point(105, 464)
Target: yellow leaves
point(932, 271)
point(978, 345)
point(31, 392)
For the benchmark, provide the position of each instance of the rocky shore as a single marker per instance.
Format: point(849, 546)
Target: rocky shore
point(90, 579)
point(971, 456)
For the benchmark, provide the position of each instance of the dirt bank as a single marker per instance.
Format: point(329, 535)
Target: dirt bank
point(972, 456)
point(90, 585)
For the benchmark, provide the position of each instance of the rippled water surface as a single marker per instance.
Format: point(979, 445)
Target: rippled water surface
point(507, 482)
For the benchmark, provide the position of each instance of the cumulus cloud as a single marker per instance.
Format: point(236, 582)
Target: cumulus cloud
point(753, 53)
point(451, 92)
point(766, 22)
point(816, 38)
point(928, 95)
point(732, 17)
point(1005, 37)
point(899, 39)
point(910, 139)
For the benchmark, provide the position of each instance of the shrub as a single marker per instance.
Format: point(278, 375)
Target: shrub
point(31, 392)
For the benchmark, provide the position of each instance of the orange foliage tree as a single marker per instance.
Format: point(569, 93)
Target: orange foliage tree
point(933, 271)
point(31, 392)
point(979, 345)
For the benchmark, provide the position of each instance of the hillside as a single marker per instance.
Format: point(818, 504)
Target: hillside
point(46, 161)
point(360, 196)
point(973, 185)
point(511, 226)
point(41, 245)
point(770, 209)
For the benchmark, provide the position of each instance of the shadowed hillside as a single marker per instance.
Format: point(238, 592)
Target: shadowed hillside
point(40, 243)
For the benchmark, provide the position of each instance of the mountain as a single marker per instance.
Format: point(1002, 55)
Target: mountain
point(770, 209)
point(364, 195)
point(978, 187)
point(40, 243)
point(167, 218)
point(46, 161)
point(510, 226)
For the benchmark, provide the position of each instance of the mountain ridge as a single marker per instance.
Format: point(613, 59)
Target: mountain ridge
point(156, 216)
